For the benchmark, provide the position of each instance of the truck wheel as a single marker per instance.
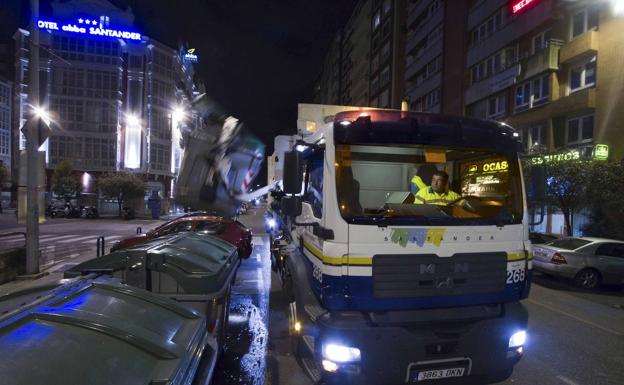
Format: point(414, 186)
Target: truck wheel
point(588, 279)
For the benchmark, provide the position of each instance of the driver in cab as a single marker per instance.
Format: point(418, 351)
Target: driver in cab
point(438, 193)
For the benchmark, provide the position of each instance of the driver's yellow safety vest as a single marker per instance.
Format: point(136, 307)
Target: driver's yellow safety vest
point(430, 197)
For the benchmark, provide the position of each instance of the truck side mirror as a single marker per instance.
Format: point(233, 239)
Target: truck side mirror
point(293, 172)
point(291, 206)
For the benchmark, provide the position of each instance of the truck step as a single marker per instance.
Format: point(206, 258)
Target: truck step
point(308, 342)
point(311, 369)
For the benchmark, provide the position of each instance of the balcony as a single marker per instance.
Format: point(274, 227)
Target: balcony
point(426, 27)
point(518, 26)
point(573, 103)
point(414, 10)
point(425, 87)
point(582, 46)
point(493, 84)
point(482, 9)
point(544, 60)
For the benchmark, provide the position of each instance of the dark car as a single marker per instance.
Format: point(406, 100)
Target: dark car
point(229, 230)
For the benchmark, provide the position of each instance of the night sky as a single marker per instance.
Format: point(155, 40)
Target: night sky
point(258, 58)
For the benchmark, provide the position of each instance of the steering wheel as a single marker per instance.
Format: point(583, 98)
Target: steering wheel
point(467, 204)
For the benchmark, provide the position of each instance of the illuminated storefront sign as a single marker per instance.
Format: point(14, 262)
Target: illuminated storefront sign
point(570, 155)
point(601, 152)
point(190, 56)
point(88, 27)
point(517, 6)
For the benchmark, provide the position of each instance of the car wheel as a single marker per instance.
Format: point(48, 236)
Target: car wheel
point(588, 279)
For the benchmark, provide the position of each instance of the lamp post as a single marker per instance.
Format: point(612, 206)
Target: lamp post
point(32, 151)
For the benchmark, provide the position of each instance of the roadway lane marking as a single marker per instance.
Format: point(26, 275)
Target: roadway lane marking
point(60, 237)
point(90, 237)
point(257, 241)
point(615, 332)
point(567, 380)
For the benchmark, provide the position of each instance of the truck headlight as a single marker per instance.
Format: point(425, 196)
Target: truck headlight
point(341, 353)
point(517, 339)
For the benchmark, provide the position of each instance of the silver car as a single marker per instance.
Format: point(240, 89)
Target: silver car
point(590, 262)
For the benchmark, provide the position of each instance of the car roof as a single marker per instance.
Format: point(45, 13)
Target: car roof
point(594, 239)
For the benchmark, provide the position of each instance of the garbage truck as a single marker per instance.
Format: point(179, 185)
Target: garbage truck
point(385, 286)
point(221, 160)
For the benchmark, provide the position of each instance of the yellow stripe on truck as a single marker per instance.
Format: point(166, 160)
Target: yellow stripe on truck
point(368, 261)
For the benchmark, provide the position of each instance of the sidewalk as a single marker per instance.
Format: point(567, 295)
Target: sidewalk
point(65, 243)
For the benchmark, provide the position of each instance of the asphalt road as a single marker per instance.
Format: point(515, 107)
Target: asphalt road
point(575, 337)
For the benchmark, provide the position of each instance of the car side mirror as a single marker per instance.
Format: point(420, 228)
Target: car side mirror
point(293, 172)
point(291, 206)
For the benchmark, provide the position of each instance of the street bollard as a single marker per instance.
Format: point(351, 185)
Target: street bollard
point(100, 246)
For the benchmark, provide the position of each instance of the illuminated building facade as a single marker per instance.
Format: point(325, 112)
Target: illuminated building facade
point(552, 70)
point(118, 99)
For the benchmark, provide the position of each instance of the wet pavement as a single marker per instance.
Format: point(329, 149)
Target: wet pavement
point(244, 359)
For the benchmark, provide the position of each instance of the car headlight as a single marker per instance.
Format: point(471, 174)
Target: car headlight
point(517, 339)
point(341, 353)
point(271, 222)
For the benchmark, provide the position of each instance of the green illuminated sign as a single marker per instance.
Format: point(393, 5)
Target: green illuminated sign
point(570, 155)
point(601, 152)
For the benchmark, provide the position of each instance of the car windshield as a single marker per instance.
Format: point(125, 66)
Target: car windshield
point(568, 243)
point(427, 185)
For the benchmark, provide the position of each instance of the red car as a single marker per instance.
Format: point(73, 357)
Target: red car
point(227, 229)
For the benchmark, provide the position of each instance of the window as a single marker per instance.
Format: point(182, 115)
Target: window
point(385, 52)
point(532, 93)
point(541, 90)
point(376, 21)
point(314, 191)
point(385, 76)
point(375, 63)
point(611, 250)
point(387, 27)
point(374, 84)
point(540, 41)
point(433, 66)
point(583, 75)
point(210, 227)
point(434, 35)
point(580, 129)
point(434, 6)
point(432, 98)
point(496, 106)
point(387, 6)
point(585, 20)
point(489, 26)
point(384, 99)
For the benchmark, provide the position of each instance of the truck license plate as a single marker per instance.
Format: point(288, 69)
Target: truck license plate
point(440, 373)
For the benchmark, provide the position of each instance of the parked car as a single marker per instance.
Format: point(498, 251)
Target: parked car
point(590, 262)
point(541, 238)
point(229, 230)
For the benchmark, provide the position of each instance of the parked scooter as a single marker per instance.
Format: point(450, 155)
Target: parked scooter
point(128, 213)
point(90, 212)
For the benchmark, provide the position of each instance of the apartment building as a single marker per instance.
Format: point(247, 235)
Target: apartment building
point(365, 63)
point(6, 91)
point(434, 55)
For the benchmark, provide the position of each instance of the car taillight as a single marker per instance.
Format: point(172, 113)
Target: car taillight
point(558, 259)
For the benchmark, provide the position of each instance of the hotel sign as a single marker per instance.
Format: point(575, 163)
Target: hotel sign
point(88, 27)
point(519, 5)
point(191, 56)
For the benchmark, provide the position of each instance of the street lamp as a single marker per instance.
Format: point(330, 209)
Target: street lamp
point(617, 6)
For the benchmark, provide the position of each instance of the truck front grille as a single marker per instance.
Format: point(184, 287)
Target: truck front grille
point(417, 275)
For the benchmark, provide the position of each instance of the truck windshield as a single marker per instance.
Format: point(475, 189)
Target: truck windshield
point(427, 185)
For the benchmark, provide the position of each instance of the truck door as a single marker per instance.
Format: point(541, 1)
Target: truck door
point(312, 213)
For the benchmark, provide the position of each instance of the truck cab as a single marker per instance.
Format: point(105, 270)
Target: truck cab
point(393, 279)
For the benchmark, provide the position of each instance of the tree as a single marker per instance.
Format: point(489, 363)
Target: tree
point(566, 188)
point(121, 186)
point(4, 175)
point(605, 201)
point(64, 183)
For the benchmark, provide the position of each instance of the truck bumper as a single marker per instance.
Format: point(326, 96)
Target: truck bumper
point(395, 350)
